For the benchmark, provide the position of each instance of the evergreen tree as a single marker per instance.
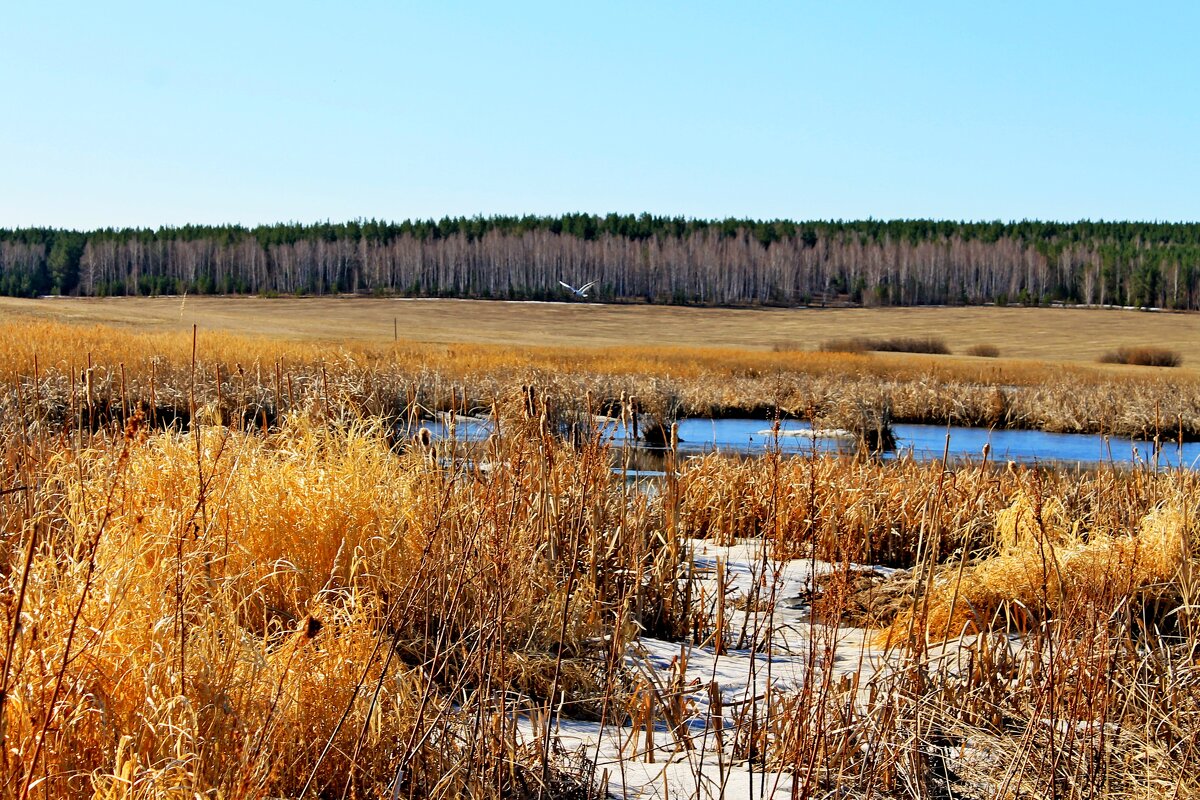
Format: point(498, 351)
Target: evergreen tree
point(63, 261)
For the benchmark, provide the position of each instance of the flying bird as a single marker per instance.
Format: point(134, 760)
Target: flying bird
point(581, 291)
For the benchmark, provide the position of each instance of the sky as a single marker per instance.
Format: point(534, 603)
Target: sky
point(139, 114)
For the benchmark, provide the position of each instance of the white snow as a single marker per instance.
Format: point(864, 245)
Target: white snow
point(744, 675)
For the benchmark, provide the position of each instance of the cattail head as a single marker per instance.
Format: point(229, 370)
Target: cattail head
point(425, 439)
point(310, 626)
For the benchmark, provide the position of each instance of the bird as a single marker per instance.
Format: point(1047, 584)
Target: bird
point(581, 291)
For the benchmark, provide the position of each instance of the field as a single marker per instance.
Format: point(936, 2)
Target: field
point(1048, 334)
point(232, 566)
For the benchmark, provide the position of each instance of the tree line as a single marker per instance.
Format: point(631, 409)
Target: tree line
point(632, 258)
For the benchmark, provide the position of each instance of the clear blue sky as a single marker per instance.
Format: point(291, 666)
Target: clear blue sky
point(167, 113)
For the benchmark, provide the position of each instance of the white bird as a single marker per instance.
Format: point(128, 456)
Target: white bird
point(581, 291)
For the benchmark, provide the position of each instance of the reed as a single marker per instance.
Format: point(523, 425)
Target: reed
point(870, 512)
point(1031, 661)
point(245, 377)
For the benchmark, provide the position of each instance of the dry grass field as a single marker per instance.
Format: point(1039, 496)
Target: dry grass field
point(1050, 334)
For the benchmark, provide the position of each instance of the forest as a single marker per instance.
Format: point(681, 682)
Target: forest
point(631, 258)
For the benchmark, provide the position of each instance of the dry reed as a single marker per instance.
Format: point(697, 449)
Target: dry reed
point(260, 379)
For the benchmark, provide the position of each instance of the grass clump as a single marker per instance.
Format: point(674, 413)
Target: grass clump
point(1143, 356)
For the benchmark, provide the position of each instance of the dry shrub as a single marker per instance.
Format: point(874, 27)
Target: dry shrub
point(931, 345)
point(983, 351)
point(850, 345)
point(1143, 356)
point(911, 344)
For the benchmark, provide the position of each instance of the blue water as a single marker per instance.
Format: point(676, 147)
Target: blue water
point(752, 435)
point(928, 442)
point(922, 442)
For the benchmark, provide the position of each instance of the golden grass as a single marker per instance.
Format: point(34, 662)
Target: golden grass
point(866, 511)
point(213, 607)
point(1044, 563)
point(1093, 570)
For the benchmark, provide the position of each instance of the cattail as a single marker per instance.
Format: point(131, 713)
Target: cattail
point(309, 627)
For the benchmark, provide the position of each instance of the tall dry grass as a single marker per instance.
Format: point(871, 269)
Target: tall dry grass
point(253, 614)
point(873, 512)
point(1043, 561)
point(112, 370)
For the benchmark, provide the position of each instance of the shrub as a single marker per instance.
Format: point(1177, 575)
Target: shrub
point(984, 350)
point(898, 344)
point(1143, 356)
point(912, 344)
point(854, 345)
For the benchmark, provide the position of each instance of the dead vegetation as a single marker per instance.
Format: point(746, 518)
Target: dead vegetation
point(899, 344)
point(240, 576)
point(1143, 356)
point(983, 351)
point(1043, 628)
point(254, 614)
point(102, 374)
